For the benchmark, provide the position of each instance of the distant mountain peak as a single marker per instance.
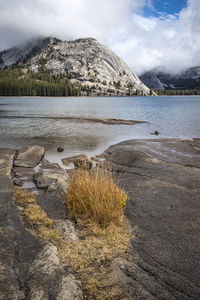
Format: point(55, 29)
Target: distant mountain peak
point(83, 60)
point(160, 80)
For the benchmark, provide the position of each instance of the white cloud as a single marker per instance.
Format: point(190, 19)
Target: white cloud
point(169, 40)
point(172, 41)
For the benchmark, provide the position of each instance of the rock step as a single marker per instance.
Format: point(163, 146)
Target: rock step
point(30, 268)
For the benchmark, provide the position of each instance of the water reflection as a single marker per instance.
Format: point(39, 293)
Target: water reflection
point(177, 117)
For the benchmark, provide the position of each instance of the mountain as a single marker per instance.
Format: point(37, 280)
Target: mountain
point(87, 64)
point(158, 80)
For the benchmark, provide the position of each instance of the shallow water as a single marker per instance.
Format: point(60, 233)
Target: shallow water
point(28, 121)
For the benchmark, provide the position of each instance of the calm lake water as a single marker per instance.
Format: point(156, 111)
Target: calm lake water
point(28, 121)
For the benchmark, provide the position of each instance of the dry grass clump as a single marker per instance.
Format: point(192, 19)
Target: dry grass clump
point(96, 202)
point(96, 197)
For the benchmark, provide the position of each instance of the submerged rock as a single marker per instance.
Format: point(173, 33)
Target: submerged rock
point(156, 132)
point(60, 149)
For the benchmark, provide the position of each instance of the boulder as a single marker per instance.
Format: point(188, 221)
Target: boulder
point(48, 165)
point(29, 157)
point(52, 180)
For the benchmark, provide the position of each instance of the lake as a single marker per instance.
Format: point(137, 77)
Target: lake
point(29, 121)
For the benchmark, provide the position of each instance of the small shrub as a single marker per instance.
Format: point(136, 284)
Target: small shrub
point(96, 197)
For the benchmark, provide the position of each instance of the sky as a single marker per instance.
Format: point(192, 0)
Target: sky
point(147, 34)
point(159, 8)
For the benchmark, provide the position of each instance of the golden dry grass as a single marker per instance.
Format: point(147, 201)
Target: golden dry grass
point(50, 234)
point(37, 218)
point(96, 202)
point(91, 257)
point(96, 197)
point(22, 198)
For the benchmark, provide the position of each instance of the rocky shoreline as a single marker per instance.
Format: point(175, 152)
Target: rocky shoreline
point(162, 178)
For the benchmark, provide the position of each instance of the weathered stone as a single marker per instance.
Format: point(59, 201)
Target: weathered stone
point(29, 157)
point(48, 165)
point(18, 182)
point(6, 164)
point(46, 278)
point(67, 230)
point(162, 178)
point(69, 289)
point(29, 267)
point(23, 172)
point(53, 204)
point(52, 179)
point(17, 245)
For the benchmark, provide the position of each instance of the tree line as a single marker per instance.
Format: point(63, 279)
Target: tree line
point(191, 92)
point(15, 82)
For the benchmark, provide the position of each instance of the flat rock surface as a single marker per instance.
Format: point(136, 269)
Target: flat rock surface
point(29, 157)
point(162, 178)
point(30, 268)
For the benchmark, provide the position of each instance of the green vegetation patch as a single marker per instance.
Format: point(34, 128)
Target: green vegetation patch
point(14, 82)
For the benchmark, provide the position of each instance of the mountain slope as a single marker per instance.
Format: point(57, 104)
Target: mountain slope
point(84, 61)
point(158, 80)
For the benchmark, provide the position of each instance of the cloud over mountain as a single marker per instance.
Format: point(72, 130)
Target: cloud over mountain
point(145, 42)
